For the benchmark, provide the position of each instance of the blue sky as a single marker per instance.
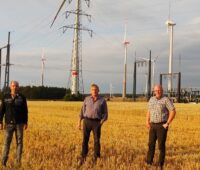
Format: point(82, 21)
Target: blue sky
point(103, 54)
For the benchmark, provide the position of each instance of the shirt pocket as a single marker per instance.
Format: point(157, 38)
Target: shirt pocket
point(18, 102)
point(162, 107)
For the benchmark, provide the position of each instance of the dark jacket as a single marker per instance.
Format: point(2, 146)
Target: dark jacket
point(14, 109)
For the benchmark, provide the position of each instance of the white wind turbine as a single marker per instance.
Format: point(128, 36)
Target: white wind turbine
point(126, 43)
point(170, 25)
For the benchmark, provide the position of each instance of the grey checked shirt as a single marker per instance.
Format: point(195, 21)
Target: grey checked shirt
point(94, 109)
point(159, 109)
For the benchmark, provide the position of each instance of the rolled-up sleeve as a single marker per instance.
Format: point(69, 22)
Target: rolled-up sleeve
point(81, 115)
point(170, 105)
point(25, 111)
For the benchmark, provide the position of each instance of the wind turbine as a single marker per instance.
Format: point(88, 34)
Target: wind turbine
point(170, 25)
point(125, 43)
point(43, 65)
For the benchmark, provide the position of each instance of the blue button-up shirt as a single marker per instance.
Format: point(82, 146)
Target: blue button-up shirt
point(94, 109)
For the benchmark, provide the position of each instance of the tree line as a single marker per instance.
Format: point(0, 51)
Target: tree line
point(48, 93)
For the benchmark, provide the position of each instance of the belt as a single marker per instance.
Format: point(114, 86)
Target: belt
point(158, 123)
point(95, 119)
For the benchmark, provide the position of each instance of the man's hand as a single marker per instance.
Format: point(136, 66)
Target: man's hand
point(166, 125)
point(148, 120)
point(101, 122)
point(25, 126)
point(148, 125)
point(79, 125)
point(1, 126)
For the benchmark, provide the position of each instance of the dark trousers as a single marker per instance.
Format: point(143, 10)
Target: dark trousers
point(157, 131)
point(9, 130)
point(88, 126)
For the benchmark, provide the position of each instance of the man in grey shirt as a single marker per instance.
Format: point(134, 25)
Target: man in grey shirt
point(161, 112)
point(93, 113)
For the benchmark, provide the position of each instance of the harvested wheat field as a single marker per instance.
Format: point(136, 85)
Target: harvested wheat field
point(52, 140)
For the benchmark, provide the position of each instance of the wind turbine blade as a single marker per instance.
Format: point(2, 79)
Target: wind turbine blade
point(125, 31)
point(169, 15)
point(125, 34)
point(167, 23)
point(42, 53)
point(58, 12)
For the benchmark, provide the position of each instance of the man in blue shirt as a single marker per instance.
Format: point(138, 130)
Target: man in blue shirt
point(93, 113)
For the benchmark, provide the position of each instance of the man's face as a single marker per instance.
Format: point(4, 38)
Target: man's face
point(94, 91)
point(14, 87)
point(158, 91)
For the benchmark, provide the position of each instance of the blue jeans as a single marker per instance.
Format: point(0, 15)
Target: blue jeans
point(9, 130)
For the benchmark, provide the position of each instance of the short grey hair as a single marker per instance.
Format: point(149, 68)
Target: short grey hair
point(94, 85)
point(15, 82)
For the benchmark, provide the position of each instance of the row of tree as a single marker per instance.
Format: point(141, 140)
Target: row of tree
point(41, 92)
point(48, 93)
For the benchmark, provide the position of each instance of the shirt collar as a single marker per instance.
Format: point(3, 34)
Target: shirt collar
point(98, 97)
point(17, 94)
point(159, 98)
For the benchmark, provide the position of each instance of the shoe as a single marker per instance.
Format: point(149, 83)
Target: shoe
point(94, 160)
point(148, 163)
point(18, 164)
point(3, 164)
point(81, 162)
point(161, 167)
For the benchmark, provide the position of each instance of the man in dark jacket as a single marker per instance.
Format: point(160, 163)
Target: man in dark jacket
point(14, 108)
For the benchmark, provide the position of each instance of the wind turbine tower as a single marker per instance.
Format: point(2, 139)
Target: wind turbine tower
point(76, 65)
point(170, 24)
point(43, 65)
point(125, 43)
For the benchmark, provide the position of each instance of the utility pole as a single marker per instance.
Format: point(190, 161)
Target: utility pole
point(0, 68)
point(134, 79)
point(153, 71)
point(111, 90)
point(179, 63)
point(75, 54)
point(76, 61)
point(1, 64)
point(142, 61)
point(7, 69)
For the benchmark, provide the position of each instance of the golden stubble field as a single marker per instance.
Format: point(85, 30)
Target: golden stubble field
point(52, 141)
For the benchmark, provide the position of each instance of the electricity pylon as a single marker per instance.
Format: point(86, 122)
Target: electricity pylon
point(76, 60)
